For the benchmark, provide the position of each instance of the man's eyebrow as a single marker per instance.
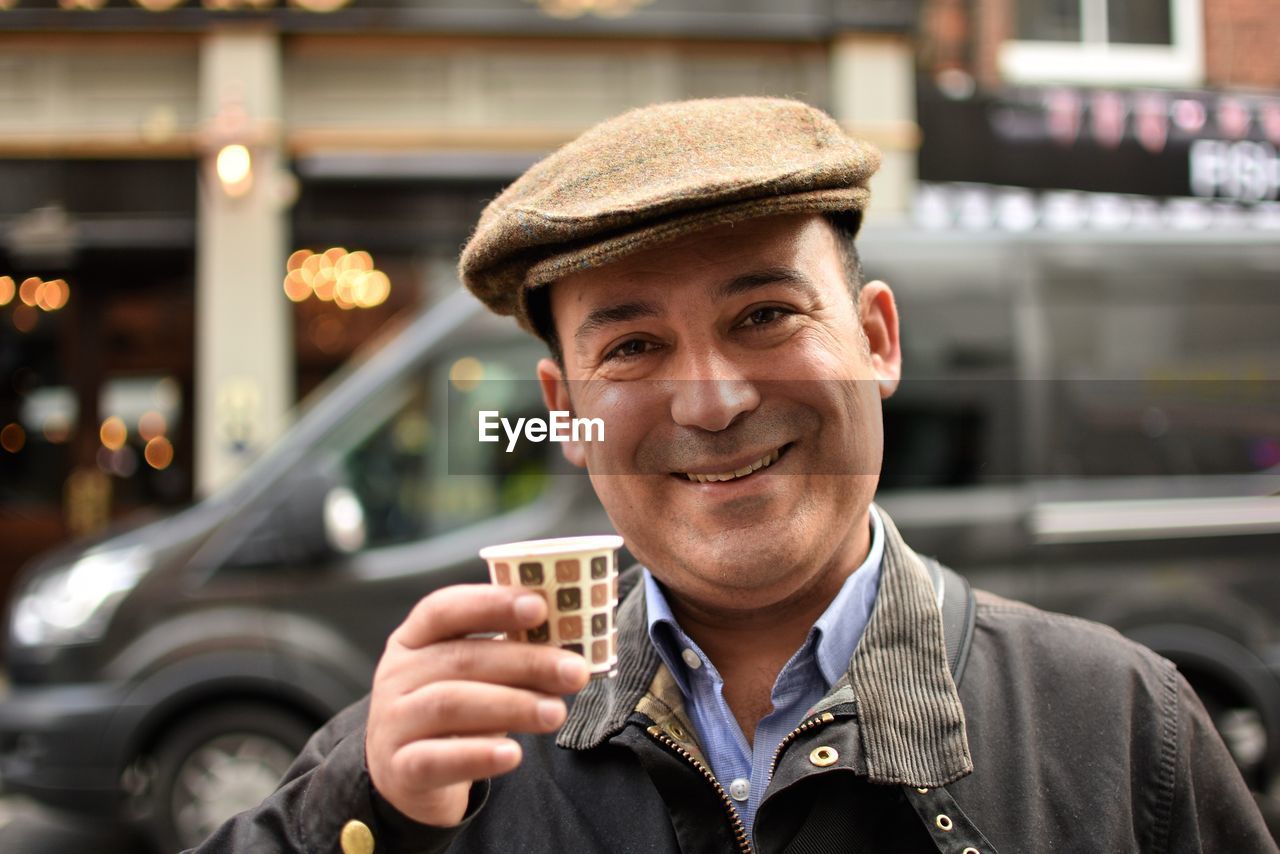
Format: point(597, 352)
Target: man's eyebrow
point(620, 313)
point(762, 278)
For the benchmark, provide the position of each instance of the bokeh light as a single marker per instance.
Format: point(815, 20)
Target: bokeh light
point(25, 318)
point(7, 290)
point(113, 433)
point(151, 424)
point(347, 279)
point(13, 437)
point(28, 289)
point(234, 166)
point(466, 373)
point(158, 453)
point(53, 295)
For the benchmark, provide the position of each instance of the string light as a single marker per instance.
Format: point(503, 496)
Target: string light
point(347, 279)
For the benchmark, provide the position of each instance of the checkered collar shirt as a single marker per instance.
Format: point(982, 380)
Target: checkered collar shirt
point(742, 767)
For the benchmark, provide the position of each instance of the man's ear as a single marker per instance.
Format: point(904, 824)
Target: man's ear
point(555, 394)
point(879, 315)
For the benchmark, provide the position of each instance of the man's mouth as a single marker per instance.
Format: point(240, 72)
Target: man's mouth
point(744, 471)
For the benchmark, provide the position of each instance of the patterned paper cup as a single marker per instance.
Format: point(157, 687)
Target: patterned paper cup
point(578, 576)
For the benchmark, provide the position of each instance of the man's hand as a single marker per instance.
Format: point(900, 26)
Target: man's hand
point(443, 702)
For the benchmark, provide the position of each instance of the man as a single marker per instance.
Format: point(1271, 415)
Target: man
point(784, 681)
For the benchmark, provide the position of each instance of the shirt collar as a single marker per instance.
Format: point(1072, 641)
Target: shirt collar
point(831, 641)
point(911, 723)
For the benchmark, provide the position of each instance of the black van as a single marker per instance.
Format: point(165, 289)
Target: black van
point(1088, 425)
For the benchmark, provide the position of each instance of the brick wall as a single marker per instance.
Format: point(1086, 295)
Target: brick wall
point(1242, 40)
point(1242, 44)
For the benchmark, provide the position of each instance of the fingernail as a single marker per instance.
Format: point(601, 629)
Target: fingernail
point(528, 608)
point(572, 670)
point(506, 754)
point(551, 712)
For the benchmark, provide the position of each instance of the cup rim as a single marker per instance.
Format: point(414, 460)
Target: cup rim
point(552, 546)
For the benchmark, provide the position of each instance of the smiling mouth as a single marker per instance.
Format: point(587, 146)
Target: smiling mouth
point(747, 470)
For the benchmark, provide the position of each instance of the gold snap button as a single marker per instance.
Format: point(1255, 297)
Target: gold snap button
point(971, 851)
point(678, 732)
point(823, 756)
point(923, 791)
point(943, 822)
point(356, 838)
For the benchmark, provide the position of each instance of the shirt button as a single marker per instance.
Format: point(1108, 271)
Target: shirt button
point(356, 838)
point(740, 789)
point(691, 658)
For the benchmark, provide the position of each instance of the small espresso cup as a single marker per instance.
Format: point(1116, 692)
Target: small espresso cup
point(578, 578)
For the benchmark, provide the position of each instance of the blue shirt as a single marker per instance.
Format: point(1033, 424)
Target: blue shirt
point(741, 767)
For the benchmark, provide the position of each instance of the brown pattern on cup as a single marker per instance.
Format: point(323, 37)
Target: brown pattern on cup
point(599, 595)
point(531, 574)
point(599, 625)
point(568, 599)
point(568, 570)
point(572, 647)
point(502, 572)
point(539, 634)
point(599, 567)
point(570, 627)
point(599, 652)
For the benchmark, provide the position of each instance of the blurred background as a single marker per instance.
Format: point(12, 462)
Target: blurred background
point(208, 208)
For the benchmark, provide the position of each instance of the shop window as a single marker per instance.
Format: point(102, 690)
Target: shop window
point(1106, 42)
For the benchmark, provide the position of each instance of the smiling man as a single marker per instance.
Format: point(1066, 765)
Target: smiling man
point(791, 677)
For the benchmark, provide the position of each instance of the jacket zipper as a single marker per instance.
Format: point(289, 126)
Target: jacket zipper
point(739, 829)
point(805, 726)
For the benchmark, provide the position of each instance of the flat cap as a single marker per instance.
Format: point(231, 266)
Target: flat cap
point(654, 174)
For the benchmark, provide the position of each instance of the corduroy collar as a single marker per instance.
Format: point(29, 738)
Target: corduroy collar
point(908, 710)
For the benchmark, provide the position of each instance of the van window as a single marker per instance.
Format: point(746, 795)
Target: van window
point(1161, 371)
point(399, 461)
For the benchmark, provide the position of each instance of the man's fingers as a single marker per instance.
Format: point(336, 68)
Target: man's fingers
point(520, 665)
point(471, 708)
point(435, 763)
point(468, 609)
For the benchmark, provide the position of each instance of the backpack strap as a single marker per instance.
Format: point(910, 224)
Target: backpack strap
point(959, 609)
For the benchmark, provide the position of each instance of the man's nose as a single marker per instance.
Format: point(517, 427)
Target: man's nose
point(711, 393)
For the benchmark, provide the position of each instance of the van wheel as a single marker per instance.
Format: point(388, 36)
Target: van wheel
point(215, 764)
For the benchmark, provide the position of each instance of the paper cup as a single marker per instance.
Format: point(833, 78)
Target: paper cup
point(578, 578)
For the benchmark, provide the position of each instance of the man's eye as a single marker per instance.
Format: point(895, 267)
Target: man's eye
point(629, 349)
point(765, 316)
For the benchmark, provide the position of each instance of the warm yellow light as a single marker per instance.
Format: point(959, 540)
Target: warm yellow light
point(152, 424)
point(88, 5)
point(347, 288)
point(158, 5)
point(466, 373)
point(7, 4)
point(28, 289)
point(158, 453)
point(321, 6)
point(335, 254)
point(113, 433)
point(375, 287)
point(53, 295)
point(295, 286)
point(234, 165)
point(56, 429)
point(13, 437)
point(358, 260)
point(296, 259)
point(7, 290)
point(25, 318)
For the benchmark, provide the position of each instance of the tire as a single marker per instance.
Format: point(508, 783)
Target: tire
point(216, 763)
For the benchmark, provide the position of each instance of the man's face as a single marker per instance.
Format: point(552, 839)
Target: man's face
point(736, 348)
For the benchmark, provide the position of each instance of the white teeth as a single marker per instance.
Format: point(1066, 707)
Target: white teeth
point(763, 462)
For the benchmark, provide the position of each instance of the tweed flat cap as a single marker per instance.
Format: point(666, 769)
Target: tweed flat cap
point(654, 174)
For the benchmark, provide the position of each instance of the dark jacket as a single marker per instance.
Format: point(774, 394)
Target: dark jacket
point(1061, 737)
